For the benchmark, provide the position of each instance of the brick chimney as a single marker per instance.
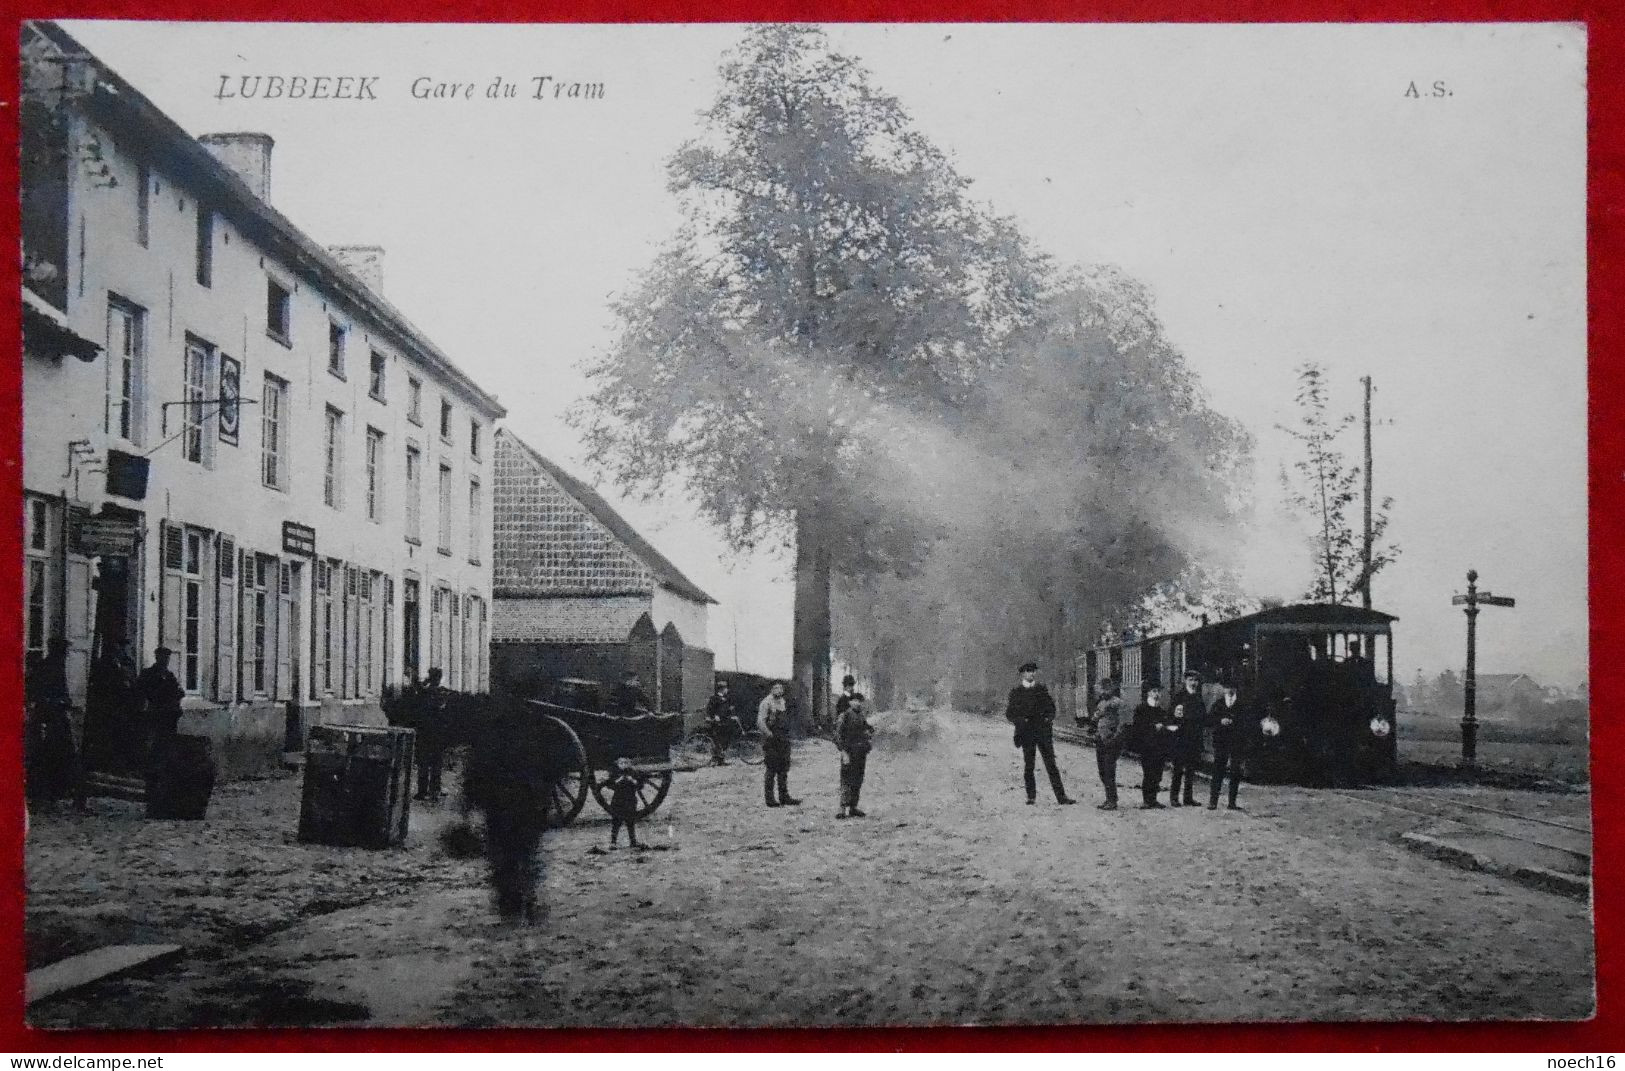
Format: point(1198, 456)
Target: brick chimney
point(365, 262)
point(248, 155)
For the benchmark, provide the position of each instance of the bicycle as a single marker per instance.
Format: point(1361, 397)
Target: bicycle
point(742, 745)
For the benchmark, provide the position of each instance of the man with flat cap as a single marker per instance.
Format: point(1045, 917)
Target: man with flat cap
point(1031, 710)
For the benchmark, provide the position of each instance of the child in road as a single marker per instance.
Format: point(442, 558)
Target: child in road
point(623, 804)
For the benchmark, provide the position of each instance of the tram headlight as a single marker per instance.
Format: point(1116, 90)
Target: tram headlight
point(1381, 727)
point(1270, 727)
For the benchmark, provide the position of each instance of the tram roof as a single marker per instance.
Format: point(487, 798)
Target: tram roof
point(1308, 613)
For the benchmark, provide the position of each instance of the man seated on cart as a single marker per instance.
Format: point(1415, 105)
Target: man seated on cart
point(627, 700)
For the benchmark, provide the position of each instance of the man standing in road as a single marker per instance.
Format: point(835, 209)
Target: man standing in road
point(852, 735)
point(1233, 721)
point(1190, 715)
point(773, 715)
point(849, 686)
point(1111, 726)
point(1031, 710)
point(158, 695)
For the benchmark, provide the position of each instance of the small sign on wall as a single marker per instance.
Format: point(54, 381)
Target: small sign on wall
point(231, 380)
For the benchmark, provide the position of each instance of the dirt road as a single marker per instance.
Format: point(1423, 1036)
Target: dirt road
point(953, 902)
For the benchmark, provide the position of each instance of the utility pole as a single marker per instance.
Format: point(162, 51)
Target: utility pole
point(1469, 715)
point(1365, 554)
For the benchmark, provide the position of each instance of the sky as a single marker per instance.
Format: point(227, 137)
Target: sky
point(1280, 189)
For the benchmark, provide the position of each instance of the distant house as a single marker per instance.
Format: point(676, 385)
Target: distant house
point(1510, 690)
point(577, 592)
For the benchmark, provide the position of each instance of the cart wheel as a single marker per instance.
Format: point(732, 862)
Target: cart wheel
point(749, 747)
point(652, 789)
point(568, 775)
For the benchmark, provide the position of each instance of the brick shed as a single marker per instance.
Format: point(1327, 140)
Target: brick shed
point(577, 592)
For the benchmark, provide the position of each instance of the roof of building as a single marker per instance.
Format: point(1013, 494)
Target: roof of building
point(47, 328)
point(118, 101)
point(668, 575)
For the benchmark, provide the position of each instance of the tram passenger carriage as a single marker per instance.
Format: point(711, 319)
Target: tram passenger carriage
point(1321, 674)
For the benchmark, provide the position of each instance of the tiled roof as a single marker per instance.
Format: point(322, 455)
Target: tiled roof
point(667, 574)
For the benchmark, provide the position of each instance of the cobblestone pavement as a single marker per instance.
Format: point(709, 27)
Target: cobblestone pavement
point(951, 902)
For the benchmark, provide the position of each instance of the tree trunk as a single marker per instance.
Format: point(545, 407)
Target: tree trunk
point(812, 620)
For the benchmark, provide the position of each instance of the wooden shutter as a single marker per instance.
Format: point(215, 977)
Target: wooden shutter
point(77, 626)
point(247, 563)
point(352, 633)
point(226, 620)
point(283, 581)
point(173, 554)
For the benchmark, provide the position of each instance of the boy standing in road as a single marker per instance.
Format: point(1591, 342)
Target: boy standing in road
point(1111, 726)
point(852, 736)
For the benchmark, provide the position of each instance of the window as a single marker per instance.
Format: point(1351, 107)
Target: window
point(205, 246)
point(474, 521)
point(274, 434)
point(414, 494)
point(474, 439)
point(445, 510)
point(375, 379)
point(199, 371)
point(278, 312)
point(333, 466)
point(412, 609)
point(375, 474)
point(322, 632)
point(445, 420)
point(414, 400)
point(364, 682)
point(37, 599)
point(38, 592)
point(143, 203)
point(337, 334)
point(126, 369)
point(192, 611)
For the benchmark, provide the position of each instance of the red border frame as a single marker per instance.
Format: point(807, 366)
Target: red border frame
point(1606, 250)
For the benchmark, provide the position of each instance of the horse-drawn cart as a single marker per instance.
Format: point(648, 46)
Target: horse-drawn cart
point(585, 746)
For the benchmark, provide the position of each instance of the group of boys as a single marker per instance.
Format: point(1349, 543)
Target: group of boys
point(1164, 735)
point(1170, 734)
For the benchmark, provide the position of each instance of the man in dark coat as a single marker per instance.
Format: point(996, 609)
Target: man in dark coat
point(1190, 715)
point(109, 706)
point(1233, 721)
point(507, 779)
point(1153, 734)
point(627, 700)
point(158, 694)
point(429, 719)
point(1111, 732)
point(1031, 710)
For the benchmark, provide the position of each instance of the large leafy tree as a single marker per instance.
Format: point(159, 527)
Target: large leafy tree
point(1090, 482)
point(833, 296)
point(1324, 487)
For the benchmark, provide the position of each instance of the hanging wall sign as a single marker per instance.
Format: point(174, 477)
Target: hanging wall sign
point(231, 376)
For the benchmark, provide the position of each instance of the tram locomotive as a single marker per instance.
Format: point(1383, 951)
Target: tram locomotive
point(1321, 675)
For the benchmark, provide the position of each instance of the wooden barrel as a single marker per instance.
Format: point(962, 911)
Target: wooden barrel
point(181, 778)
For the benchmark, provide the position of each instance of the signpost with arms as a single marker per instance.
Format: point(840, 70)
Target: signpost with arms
point(1469, 717)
